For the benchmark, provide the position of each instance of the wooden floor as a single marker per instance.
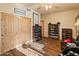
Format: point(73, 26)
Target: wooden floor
point(13, 52)
point(52, 48)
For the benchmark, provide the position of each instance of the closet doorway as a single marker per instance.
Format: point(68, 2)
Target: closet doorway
point(42, 27)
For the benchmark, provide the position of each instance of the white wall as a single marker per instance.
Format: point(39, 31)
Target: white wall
point(66, 18)
point(9, 8)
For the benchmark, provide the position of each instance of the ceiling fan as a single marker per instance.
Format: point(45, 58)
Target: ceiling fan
point(47, 7)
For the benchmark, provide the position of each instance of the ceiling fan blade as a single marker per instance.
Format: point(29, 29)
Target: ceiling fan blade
point(39, 8)
point(56, 7)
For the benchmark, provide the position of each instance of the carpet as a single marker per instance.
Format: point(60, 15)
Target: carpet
point(28, 51)
point(37, 46)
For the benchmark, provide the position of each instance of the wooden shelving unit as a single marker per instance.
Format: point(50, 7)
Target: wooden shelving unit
point(53, 31)
point(66, 33)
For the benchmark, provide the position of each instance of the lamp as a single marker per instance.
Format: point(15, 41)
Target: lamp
point(77, 20)
point(77, 23)
point(48, 7)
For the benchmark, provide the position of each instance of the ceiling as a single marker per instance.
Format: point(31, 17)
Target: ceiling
point(56, 7)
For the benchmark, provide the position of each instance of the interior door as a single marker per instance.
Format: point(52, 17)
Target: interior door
point(42, 27)
point(0, 33)
point(6, 32)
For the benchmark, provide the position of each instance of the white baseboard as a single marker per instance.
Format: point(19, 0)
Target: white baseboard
point(25, 43)
point(28, 42)
point(18, 45)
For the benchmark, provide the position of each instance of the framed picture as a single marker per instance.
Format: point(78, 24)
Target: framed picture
point(35, 18)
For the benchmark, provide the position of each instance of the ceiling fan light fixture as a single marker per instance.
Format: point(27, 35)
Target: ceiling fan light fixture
point(50, 6)
point(46, 6)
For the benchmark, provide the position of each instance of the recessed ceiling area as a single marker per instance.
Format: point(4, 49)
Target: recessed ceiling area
point(55, 7)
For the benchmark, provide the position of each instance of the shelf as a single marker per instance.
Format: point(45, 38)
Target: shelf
point(53, 30)
point(66, 33)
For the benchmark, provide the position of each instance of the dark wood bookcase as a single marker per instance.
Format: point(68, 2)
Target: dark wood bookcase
point(53, 31)
point(66, 33)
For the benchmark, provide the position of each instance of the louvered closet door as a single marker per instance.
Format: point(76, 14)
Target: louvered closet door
point(24, 30)
point(7, 32)
point(21, 30)
point(16, 24)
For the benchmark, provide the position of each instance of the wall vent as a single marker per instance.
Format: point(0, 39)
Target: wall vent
point(19, 11)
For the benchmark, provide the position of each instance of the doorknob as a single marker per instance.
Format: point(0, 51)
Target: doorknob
point(2, 35)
